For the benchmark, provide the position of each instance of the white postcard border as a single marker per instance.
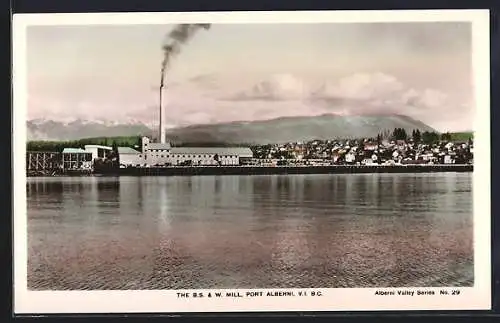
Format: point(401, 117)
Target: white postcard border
point(345, 299)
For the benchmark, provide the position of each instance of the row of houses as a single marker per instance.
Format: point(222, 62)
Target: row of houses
point(369, 152)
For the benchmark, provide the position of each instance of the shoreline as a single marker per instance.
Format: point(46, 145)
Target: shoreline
point(273, 170)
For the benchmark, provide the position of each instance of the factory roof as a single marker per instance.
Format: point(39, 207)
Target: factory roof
point(127, 150)
point(240, 151)
point(157, 145)
point(98, 146)
point(73, 151)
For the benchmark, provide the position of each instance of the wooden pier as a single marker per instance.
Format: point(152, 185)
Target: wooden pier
point(42, 163)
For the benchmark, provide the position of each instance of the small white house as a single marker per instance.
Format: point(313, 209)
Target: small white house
point(368, 162)
point(448, 159)
point(350, 158)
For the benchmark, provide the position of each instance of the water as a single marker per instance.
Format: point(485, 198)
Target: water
point(298, 231)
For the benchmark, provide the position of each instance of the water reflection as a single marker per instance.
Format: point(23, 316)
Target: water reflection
point(250, 231)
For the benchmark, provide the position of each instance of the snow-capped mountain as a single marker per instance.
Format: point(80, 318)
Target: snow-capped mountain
point(285, 129)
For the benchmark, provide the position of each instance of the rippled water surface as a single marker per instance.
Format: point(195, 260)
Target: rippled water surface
point(366, 230)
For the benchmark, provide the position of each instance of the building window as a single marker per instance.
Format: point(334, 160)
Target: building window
point(140, 156)
point(161, 156)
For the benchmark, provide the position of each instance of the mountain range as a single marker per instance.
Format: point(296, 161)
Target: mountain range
point(279, 130)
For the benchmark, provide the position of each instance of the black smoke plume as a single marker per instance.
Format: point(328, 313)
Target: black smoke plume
point(174, 40)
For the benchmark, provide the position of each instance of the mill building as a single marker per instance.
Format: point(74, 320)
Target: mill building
point(163, 154)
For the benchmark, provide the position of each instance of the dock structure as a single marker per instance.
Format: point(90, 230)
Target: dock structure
point(76, 159)
point(43, 162)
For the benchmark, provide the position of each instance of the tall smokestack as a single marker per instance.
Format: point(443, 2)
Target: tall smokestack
point(178, 36)
point(161, 130)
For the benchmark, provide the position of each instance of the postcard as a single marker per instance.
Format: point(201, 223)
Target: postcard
point(251, 161)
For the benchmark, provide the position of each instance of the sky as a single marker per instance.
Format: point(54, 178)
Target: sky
point(254, 71)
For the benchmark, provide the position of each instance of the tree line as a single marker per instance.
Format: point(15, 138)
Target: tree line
point(58, 146)
point(426, 137)
point(135, 142)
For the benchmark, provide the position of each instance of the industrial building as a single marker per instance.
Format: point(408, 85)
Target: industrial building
point(71, 159)
point(129, 157)
point(163, 154)
point(76, 159)
point(98, 151)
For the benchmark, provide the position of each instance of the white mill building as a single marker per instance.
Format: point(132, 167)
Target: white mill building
point(162, 154)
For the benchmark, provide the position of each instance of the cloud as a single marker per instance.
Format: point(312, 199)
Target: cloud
point(207, 81)
point(360, 93)
point(356, 94)
point(279, 87)
point(427, 98)
point(384, 94)
point(277, 96)
point(360, 87)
